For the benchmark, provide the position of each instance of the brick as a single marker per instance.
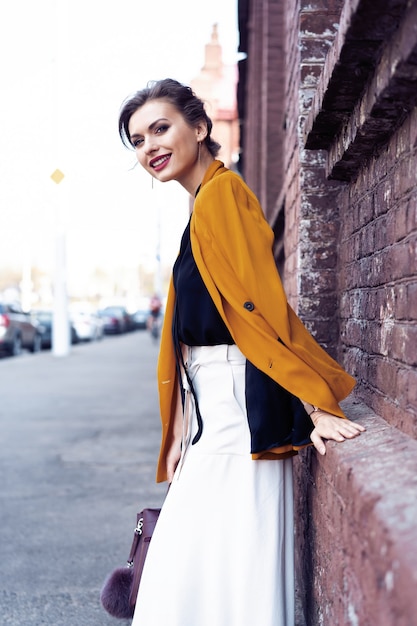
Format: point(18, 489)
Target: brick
point(365, 211)
point(384, 195)
point(332, 6)
point(310, 73)
point(409, 303)
point(368, 240)
point(404, 342)
point(398, 262)
point(314, 158)
point(401, 302)
point(317, 25)
point(321, 308)
point(399, 224)
point(317, 282)
point(402, 387)
point(383, 374)
point(412, 213)
point(370, 305)
point(313, 178)
point(412, 388)
point(313, 50)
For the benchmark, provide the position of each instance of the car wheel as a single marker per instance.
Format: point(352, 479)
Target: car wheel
point(37, 344)
point(16, 347)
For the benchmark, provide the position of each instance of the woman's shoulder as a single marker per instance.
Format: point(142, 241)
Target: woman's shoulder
point(226, 204)
point(225, 182)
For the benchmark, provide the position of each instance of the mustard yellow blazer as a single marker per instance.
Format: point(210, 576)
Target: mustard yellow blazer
point(232, 247)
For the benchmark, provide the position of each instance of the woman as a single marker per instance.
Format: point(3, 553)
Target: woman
point(242, 386)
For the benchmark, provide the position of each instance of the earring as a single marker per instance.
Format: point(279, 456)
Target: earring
point(199, 152)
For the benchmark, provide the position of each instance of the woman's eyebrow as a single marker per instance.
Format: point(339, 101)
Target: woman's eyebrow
point(152, 126)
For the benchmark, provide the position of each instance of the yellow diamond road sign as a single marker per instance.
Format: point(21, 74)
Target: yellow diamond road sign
point(57, 176)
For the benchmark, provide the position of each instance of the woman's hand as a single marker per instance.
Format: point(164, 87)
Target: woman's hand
point(174, 450)
point(328, 426)
point(173, 457)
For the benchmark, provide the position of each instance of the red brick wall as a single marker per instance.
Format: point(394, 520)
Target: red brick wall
point(378, 280)
point(348, 202)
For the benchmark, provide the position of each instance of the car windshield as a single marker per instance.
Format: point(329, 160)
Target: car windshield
point(43, 316)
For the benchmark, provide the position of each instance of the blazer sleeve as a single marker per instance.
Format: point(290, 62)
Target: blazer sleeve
point(234, 244)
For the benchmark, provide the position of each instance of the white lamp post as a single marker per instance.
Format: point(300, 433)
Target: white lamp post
point(60, 325)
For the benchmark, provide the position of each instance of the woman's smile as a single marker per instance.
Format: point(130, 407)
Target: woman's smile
point(160, 162)
point(166, 146)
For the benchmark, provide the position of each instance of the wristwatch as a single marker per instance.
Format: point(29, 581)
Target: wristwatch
point(310, 408)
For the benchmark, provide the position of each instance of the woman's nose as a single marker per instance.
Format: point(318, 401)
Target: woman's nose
point(150, 145)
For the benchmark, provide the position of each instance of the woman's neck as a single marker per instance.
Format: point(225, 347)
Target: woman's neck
point(193, 181)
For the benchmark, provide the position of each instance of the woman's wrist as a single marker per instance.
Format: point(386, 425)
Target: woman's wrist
point(313, 412)
point(317, 414)
point(310, 408)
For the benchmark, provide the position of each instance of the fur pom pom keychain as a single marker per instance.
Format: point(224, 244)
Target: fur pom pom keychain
point(120, 589)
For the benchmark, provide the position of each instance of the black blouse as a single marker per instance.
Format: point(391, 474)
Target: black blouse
point(198, 323)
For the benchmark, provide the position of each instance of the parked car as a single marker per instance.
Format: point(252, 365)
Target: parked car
point(18, 330)
point(116, 320)
point(140, 319)
point(89, 326)
point(45, 319)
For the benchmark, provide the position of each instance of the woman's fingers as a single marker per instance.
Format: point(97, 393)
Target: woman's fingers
point(350, 429)
point(318, 442)
point(329, 426)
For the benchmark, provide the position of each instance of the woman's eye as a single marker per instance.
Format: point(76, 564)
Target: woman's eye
point(161, 129)
point(137, 143)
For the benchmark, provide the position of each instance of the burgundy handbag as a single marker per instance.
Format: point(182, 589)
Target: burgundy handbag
point(120, 589)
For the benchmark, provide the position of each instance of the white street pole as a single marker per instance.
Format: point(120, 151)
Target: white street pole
point(158, 272)
point(60, 319)
point(26, 285)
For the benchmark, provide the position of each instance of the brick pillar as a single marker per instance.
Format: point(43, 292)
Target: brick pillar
point(317, 263)
point(264, 123)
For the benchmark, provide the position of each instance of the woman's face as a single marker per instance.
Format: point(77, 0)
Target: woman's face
point(166, 146)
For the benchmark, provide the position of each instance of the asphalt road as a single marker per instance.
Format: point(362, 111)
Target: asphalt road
point(79, 437)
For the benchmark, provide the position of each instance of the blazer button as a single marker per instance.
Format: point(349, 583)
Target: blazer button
point(249, 306)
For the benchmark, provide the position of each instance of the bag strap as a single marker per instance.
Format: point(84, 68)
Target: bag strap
point(135, 542)
point(143, 533)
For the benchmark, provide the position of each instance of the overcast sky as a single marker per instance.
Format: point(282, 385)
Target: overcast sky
point(66, 67)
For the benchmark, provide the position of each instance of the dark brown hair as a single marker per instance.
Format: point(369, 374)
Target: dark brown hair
point(180, 96)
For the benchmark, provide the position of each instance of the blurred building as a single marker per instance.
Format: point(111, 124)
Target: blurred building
point(216, 85)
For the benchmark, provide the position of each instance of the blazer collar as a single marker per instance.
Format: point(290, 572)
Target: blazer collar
point(211, 171)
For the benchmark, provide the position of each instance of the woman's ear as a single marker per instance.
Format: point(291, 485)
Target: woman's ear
point(201, 132)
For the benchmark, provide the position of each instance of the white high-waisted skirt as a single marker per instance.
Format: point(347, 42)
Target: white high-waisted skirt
point(222, 550)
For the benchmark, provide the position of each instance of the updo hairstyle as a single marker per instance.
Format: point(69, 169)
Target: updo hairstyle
point(180, 96)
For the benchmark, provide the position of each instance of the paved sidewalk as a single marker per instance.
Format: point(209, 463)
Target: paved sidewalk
point(79, 437)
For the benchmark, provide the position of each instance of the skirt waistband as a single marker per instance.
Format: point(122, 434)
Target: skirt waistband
point(212, 354)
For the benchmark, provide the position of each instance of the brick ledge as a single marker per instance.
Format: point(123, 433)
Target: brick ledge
point(363, 499)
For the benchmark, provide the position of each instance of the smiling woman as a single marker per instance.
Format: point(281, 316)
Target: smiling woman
point(236, 403)
point(151, 122)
